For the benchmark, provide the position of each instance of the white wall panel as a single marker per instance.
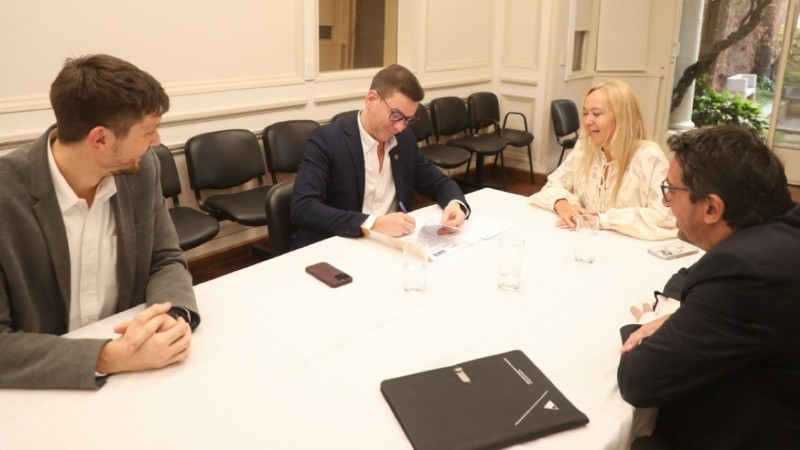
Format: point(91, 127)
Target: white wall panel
point(241, 44)
point(458, 34)
point(623, 35)
point(521, 33)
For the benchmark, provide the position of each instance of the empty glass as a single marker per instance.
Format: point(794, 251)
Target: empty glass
point(510, 263)
point(587, 226)
point(415, 266)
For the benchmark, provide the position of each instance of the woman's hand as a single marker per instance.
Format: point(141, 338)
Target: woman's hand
point(567, 213)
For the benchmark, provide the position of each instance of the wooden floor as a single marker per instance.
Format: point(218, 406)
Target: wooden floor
point(224, 262)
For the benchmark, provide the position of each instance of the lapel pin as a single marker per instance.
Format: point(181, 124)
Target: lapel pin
point(396, 156)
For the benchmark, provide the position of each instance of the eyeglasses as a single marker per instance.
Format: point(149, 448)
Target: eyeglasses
point(395, 115)
point(667, 191)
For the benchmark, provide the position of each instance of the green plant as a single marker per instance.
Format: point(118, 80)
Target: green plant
point(717, 108)
point(765, 91)
point(765, 84)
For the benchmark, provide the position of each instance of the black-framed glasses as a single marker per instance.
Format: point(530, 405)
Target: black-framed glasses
point(395, 115)
point(667, 190)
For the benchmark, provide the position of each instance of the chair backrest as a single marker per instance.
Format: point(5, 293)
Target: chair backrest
point(279, 219)
point(170, 183)
point(565, 117)
point(449, 116)
point(224, 159)
point(482, 106)
point(422, 127)
point(285, 144)
point(337, 116)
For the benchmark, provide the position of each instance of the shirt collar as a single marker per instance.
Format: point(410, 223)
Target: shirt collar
point(64, 193)
point(369, 143)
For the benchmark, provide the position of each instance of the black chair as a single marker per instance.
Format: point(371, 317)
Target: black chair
point(450, 117)
point(193, 227)
point(566, 122)
point(484, 110)
point(279, 220)
point(442, 155)
point(352, 112)
point(223, 160)
point(285, 144)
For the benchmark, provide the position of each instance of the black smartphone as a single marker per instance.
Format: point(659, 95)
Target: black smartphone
point(328, 274)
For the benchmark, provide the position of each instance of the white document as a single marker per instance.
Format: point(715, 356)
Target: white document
point(486, 227)
point(442, 240)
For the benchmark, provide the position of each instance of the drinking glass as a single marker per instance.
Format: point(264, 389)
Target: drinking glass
point(510, 265)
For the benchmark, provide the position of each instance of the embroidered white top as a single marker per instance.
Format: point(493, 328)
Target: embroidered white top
point(637, 211)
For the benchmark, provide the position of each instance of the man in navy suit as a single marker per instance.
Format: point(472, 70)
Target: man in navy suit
point(724, 369)
point(347, 186)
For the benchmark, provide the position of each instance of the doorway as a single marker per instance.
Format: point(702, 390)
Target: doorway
point(357, 34)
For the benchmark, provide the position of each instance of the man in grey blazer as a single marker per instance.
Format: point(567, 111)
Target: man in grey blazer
point(85, 233)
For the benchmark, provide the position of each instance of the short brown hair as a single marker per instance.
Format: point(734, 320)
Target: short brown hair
point(101, 90)
point(397, 78)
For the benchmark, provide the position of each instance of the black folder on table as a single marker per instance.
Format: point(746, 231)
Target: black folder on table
point(485, 403)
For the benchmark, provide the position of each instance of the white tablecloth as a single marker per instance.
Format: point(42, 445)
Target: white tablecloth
point(283, 361)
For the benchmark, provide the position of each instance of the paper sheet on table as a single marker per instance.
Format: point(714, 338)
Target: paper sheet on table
point(443, 240)
point(486, 227)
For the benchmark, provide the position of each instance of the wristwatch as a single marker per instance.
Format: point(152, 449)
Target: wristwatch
point(191, 318)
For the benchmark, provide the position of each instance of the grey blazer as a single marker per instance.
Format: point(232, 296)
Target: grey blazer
point(35, 268)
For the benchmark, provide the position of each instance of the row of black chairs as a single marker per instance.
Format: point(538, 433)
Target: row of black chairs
point(475, 128)
point(226, 159)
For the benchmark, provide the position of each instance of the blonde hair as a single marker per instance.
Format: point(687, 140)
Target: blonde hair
point(628, 133)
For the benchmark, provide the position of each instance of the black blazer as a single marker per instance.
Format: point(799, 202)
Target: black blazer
point(328, 191)
point(724, 370)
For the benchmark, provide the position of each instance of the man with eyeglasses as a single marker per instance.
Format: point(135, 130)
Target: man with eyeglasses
point(724, 369)
point(359, 172)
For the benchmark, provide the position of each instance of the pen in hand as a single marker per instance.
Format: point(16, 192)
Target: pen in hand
point(402, 207)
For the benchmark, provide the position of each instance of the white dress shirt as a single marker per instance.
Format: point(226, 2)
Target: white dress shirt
point(92, 239)
point(380, 195)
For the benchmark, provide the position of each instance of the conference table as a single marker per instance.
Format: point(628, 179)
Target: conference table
point(282, 361)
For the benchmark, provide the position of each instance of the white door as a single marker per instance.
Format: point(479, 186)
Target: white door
point(784, 135)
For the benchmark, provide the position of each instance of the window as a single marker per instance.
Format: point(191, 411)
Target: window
point(357, 34)
point(580, 24)
point(579, 50)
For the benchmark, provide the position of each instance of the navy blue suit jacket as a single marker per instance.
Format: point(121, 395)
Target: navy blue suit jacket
point(328, 191)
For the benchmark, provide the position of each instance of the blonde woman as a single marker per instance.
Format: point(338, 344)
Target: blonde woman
point(613, 171)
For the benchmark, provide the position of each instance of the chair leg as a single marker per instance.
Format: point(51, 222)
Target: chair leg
point(466, 172)
point(494, 164)
point(562, 156)
point(530, 161)
point(503, 167)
